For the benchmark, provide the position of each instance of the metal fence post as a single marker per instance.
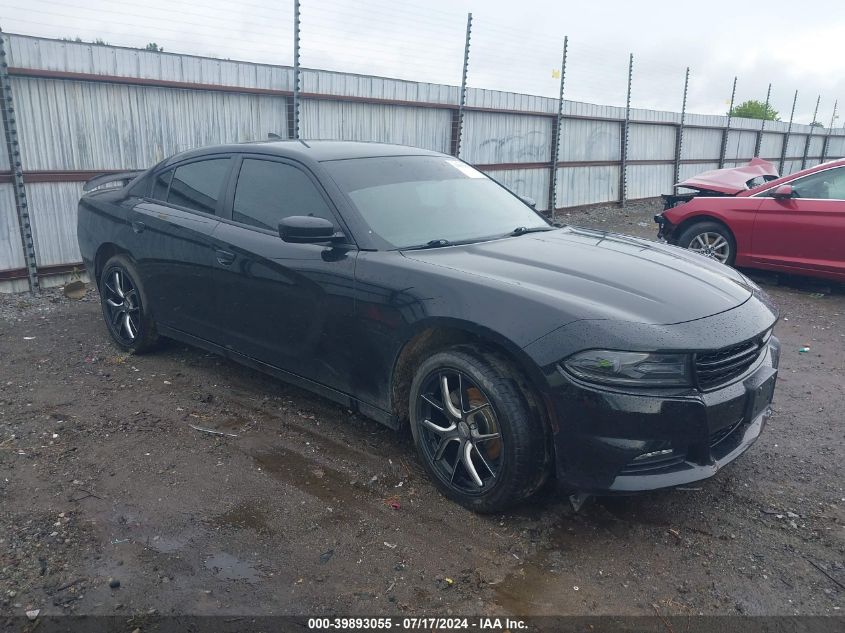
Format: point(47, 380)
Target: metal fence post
point(10, 129)
point(623, 175)
point(294, 125)
point(679, 134)
point(759, 142)
point(786, 136)
point(556, 133)
point(829, 131)
point(727, 129)
point(810, 135)
point(458, 126)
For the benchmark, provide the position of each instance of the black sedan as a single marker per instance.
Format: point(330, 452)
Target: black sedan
point(412, 288)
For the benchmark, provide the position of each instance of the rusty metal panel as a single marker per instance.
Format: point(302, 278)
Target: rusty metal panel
point(708, 120)
point(587, 185)
point(690, 170)
point(52, 206)
point(531, 183)
point(4, 154)
point(771, 145)
point(835, 147)
point(651, 142)
point(747, 124)
point(428, 128)
point(816, 145)
point(11, 250)
point(583, 140)
point(481, 98)
point(81, 57)
point(795, 146)
point(701, 144)
point(741, 144)
point(109, 126)
point(656, 116)
point(345, 84)
point(790, 167)
point(580, 109)
point(649, 181)
point(505, 138)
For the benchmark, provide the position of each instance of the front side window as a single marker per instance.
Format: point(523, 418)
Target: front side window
point(824, 185)
point(199, 185)
point(414, 200)
point(161, 184)
point(269, 191)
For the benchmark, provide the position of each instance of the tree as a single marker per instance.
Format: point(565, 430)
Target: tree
point(753, 109)
point(817, 124)
point(152, 46)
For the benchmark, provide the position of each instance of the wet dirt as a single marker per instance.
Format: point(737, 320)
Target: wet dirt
point(303, 507)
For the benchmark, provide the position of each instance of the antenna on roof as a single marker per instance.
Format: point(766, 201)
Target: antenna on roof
point(304, 143)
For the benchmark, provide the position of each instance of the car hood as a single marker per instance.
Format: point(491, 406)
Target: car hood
point(732, 180)
point(592, 274)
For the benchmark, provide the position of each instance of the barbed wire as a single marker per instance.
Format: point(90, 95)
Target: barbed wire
point(401, 40)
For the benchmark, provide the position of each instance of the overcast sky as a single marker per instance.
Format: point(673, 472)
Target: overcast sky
point(516, 45)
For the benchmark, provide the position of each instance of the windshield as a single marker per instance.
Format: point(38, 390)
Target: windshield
point(417, 201)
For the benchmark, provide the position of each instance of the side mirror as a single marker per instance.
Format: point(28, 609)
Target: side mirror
point(306, 229)
point(782, 192)
point(531, 202)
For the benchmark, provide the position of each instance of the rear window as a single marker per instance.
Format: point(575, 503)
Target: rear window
point(198, 186)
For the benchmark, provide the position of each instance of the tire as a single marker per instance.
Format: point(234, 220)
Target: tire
point(124, 305)
point(507, 439)
point(711, 239)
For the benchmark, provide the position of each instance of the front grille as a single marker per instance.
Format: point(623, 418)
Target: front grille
point(716, 368)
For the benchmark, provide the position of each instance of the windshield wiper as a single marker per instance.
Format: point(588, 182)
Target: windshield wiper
point(522, 230)
point(429, 244)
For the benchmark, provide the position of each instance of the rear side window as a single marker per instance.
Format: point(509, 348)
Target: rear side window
point(198, 185)
point(268, 191)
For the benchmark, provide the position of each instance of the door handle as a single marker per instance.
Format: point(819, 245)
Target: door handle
point(138, 226)
point(225, 258)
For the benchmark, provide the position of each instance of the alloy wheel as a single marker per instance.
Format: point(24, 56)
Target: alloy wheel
point(460, 433)
point(122, 305)
point(712, 245)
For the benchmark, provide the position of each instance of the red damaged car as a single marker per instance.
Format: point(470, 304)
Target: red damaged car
point(749, 216)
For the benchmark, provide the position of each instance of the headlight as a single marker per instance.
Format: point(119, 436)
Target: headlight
point(631, 368)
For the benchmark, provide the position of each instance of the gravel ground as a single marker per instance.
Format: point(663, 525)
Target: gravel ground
point(111, 502)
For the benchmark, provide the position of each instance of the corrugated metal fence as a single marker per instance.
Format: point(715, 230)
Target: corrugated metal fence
point(82, 109)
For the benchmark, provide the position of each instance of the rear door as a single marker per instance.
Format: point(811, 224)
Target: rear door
point(805, 233)
point(174, 247)
point(288, 305)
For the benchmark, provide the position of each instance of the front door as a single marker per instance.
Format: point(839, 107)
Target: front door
point(288, 305)
point(805, 232)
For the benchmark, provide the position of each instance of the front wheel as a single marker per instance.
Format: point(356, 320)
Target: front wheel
point(710, 239)
point(124, 306)
point(475, 432)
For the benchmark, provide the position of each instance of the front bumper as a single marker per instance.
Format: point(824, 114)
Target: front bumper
point(614, 442)
point(664, 228)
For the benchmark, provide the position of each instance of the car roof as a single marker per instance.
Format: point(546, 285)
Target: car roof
point(306, 150)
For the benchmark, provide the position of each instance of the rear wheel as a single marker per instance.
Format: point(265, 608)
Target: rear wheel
point(710, 239)
point(124, 306)
point(475, 432)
